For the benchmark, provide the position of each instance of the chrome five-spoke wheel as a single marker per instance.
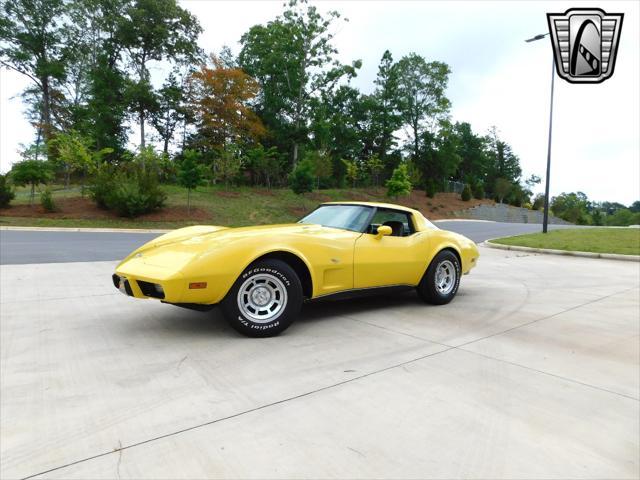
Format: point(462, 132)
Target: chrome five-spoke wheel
point(445, 277)
point(265, 299)
point(262, 298)
point(440, 282)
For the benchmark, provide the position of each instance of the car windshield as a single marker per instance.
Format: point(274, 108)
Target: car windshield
point(346, 217)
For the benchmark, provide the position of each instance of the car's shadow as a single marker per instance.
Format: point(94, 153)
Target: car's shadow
point(186, 322)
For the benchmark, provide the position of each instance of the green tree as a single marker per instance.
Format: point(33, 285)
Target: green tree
point(31, 172)
point(170, 110)
point(155, 30)
point(399, 183)
point(421, 92)
point(375, 167)
point(572, 207)
point(502, 188)
point(293, 58)
point(472, 153)
point(386, 112)
point(99, 25)
point(264, 163)
point(227, 165)
point(73, 153)
point(322, 165)
point(301, 179)
point(190, 174)
point(6, 192)
point(623, 217)
point(502, 162)
point(414, 173)
point(597, 218)
point(353, 171)
point(31, 43)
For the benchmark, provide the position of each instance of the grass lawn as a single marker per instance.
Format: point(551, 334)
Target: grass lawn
point(214, 205)
point(625, 241)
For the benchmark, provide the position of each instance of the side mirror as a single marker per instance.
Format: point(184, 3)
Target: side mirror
point(384, 231)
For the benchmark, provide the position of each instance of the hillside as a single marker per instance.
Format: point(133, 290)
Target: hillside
point(214, 205)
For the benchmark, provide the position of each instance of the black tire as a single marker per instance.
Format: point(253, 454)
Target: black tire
point(268, 279)
point(428, 289)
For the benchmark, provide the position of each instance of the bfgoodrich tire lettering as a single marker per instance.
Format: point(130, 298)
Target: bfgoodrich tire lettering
point(264, 300)
point(441, 280)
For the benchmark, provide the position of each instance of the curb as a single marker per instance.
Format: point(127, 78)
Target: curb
point(570, 253)
point(87, 230)
point(462, 220)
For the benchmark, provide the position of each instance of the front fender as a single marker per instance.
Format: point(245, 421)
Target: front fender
point(466, 249)
point(220, 268)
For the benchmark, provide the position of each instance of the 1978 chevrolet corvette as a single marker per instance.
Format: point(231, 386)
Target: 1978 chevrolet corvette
point(261, 275)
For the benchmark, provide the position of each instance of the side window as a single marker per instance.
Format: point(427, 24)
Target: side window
point(400, 222)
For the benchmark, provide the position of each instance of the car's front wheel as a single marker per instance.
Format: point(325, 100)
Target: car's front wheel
point(441, 280)
point(264, 300)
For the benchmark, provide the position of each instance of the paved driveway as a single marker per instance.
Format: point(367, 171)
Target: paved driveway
point(532, 372)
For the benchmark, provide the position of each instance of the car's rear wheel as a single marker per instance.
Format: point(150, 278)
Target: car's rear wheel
point(441, 280)
point(264, 300)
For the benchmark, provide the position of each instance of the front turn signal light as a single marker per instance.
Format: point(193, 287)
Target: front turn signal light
point(197, 285)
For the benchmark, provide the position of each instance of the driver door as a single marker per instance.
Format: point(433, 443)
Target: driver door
point(387, 260)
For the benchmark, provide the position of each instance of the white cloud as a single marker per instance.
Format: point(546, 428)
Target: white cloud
point(497, 79)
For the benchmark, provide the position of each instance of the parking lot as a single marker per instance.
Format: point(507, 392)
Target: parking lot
point(531, 372)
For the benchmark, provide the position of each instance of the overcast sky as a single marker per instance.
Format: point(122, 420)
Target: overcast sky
point(497, 79)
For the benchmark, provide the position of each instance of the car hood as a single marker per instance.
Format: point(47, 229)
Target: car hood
point(180, 246)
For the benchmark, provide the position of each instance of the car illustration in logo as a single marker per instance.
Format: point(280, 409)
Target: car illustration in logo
point(585, 43)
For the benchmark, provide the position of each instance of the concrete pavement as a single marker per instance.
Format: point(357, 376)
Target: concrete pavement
point(19, 247)
point(531, 372)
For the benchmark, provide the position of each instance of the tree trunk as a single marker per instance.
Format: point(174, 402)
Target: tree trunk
point(189, 201)
point(33, 193)
point(416, 144)
point(142, 144)
point(295, 154)
point(46, 109)
point(166, 146)
point(39, 137)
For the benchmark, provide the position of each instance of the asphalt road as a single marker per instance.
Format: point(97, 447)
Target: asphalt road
point(19, 247)
point(531, 372)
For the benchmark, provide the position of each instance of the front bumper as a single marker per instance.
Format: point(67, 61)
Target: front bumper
point(148, 289)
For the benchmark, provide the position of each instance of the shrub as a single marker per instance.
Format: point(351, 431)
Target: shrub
point(6, 192)
point(46, 200)
point(301, 179)
point(399, 183)
point(430, 188)
point(478, 191)
point(131, 199)
point(466, 193)
point(130, 191)
point(538, 202)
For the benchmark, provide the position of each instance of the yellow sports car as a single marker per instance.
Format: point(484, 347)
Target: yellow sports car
point(261, 275)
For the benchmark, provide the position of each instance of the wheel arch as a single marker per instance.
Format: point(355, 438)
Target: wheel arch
point(295, 261)
point(442, 248)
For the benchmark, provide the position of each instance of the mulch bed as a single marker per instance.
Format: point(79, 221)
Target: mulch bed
point(85, 209)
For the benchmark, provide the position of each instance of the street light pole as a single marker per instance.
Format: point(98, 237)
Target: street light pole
point(545, 219)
